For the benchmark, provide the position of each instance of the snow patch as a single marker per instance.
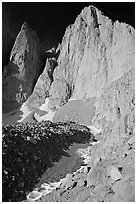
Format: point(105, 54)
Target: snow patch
point(25, 112)
point(72, 99)
point(44, 107)
point(45, 189)
point(48, 116)
point(94, 130)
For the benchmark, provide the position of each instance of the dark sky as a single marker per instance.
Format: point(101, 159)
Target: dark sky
point(50, 19)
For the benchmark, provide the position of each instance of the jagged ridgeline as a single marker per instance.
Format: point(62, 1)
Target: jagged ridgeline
point(29, 149)
point(89, 79)
point(94, 53)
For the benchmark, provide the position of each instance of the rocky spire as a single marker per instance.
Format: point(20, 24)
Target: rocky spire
point(22, 72)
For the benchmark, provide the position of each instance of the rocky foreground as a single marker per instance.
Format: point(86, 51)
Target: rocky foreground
point(108, 173)
point(30, 149)
point(33, 160)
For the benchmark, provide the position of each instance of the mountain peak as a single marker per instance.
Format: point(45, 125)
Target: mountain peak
point(25, 26)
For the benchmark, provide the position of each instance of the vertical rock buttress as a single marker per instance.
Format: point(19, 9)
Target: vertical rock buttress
point(94, 52)
point(23, 69)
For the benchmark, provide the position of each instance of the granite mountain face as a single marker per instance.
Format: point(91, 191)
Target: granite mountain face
point(88, 79)
point(94, 53)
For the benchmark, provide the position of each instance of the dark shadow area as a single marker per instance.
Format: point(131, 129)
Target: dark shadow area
point(8, 106)
point(6, 50)
point(28, 150)
point(12, 117)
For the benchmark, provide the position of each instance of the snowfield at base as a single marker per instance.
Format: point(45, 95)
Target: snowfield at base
point(25, 112)
point(19, 115)
point(48, 116)
point(44, 106)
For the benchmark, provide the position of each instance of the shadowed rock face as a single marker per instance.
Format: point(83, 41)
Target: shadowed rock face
point(21, 73)
point(43, 84)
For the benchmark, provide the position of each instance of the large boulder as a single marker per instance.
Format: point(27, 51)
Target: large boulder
point(22, 72)
point(59, 94)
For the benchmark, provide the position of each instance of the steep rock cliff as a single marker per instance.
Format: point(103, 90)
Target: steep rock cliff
point(94, 53)
point(21, 73)
point(43, 84)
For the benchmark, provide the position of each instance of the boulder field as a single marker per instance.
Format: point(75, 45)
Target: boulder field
point(35, 153)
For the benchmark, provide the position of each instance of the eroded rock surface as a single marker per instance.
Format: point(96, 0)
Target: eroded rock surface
point(21, 73)
point(94, 53)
